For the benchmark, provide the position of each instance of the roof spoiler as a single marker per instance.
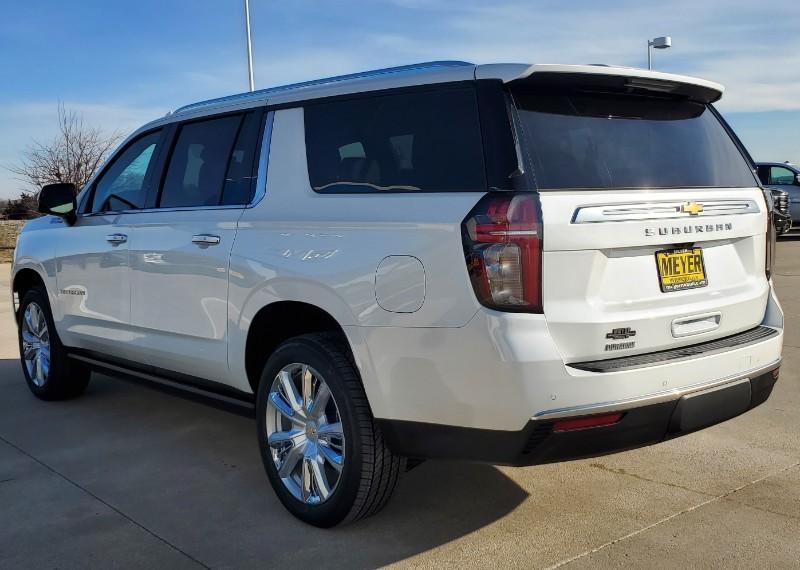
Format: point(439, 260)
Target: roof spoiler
point(610, 77)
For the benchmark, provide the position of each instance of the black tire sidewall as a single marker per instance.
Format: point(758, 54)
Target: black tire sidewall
point(306, 351)
point(38, 296)
point(65, 379)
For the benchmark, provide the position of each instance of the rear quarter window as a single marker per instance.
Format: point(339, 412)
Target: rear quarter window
point(427, 141)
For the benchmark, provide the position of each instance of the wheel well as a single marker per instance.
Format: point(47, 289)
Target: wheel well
point(24, 281)
point(278, 322)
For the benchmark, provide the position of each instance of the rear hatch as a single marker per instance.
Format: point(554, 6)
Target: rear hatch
point(654, 224)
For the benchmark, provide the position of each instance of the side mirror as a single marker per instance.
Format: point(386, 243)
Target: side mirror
point(59, 200)
point(797, 178)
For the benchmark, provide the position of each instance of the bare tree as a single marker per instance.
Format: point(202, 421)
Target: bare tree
point(74, 155)
point(23, 208)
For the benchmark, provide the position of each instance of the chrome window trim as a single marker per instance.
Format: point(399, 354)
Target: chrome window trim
point(258, 195)
point(152, 210)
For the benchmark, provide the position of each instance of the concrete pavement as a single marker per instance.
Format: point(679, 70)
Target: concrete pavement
point(129, 476)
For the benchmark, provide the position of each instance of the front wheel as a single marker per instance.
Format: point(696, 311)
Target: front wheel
point(323, 452)
point(48, 371)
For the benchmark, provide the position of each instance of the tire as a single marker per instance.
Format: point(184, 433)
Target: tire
point(369, 470)
point(50, 375)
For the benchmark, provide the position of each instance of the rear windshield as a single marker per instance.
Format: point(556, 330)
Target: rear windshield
point(604, 140)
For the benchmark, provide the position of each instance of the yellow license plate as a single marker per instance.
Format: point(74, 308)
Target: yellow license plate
point(681, 269)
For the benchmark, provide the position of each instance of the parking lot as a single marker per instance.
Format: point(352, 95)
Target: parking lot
point(133, 476)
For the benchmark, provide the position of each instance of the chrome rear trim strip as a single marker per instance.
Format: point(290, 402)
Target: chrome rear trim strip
point(661, 211)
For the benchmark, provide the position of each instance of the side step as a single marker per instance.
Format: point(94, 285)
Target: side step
point(203, 389)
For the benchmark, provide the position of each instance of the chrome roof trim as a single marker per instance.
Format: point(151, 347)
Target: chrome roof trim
point(264, 94)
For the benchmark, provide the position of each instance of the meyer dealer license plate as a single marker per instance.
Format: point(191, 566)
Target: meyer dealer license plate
point(681, 269)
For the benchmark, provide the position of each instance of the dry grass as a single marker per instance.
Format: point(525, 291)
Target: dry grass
point(8, 238)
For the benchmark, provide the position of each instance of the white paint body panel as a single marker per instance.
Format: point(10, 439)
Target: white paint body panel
point(508, 72)
point(93, 283)
point(324, 249)
point(36, 251)
point(179, 290)
point(400, 284)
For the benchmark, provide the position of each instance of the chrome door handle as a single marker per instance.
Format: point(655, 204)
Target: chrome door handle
point(116, 238)
point(205, 239)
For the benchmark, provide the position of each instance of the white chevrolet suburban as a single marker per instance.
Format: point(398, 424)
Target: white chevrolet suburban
point(506, 263)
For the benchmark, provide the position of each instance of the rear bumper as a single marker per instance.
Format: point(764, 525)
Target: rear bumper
point(501, 371)
point(644, 422)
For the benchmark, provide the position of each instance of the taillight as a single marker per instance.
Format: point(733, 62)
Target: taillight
point(503, 249)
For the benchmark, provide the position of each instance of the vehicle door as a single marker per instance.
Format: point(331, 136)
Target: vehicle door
point(180, 248)
point(93, 302)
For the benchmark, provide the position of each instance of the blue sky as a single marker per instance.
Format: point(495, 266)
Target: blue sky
point(123, 63)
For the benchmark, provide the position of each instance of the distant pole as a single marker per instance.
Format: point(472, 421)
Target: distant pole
point(249, 44)
point(662, 42)
point(649, 44)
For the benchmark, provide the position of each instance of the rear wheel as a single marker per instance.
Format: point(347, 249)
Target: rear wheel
point(48, 371)
point(323, 452)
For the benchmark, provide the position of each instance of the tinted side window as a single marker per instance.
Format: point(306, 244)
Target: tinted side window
point(196, 172)
point(241, 177)
point(411, 142)
point(123, 185)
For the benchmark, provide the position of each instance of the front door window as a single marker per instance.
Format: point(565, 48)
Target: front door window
point(123, 185)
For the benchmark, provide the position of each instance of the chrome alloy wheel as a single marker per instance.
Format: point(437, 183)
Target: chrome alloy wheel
point(36, 344)
point(304, 432)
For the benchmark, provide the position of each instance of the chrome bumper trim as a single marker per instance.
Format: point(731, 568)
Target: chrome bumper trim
point(656, 398)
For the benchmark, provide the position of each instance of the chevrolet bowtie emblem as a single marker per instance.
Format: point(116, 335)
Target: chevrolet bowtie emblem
point(692, 208)
point(621, 333)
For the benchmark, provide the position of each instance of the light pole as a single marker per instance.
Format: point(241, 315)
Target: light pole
point(662, 42)
point(250, 44)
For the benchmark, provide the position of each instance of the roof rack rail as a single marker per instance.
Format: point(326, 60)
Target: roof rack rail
point(265, 92)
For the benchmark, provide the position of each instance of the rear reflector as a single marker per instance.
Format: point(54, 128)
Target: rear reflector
point(587, 422)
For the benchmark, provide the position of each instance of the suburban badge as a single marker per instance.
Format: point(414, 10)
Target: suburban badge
point(688, 229)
